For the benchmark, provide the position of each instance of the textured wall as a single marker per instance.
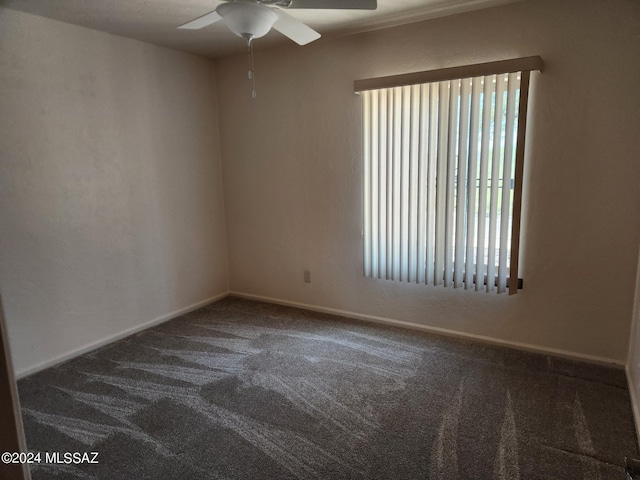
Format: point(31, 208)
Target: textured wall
point(110, 193)
point(293, 175)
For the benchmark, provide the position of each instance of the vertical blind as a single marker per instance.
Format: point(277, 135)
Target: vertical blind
point(439, 165)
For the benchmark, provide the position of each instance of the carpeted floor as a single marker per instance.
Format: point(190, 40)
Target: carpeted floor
point(247, 390)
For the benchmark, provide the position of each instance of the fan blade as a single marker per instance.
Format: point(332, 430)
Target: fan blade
point(295, 29)
point(336, 4)
point(203, 21)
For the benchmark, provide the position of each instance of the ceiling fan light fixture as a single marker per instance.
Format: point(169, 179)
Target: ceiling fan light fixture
point(247, 20)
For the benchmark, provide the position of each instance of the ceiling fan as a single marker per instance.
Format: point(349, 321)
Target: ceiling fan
point(251, 19)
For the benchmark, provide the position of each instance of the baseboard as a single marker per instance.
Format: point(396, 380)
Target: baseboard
point(593, 359)
point(125, 333)
point(634, 403)
point(344, 313)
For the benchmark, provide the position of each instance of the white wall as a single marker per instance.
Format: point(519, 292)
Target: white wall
point(111, 199)
point(292, 172)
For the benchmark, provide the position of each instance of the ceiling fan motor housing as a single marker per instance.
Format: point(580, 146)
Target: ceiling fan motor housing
point(247, 20)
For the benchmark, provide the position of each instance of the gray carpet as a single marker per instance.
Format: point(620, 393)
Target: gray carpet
point(247, 390)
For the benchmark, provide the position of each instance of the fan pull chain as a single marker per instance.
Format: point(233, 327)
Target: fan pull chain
point(252, 72)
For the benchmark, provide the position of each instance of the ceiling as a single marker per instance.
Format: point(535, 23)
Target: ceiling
point(155, 21)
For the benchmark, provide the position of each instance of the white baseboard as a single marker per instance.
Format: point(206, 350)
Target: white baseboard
point(593, 359)
point(634, 403)
point(344, 313)
point(125, 333)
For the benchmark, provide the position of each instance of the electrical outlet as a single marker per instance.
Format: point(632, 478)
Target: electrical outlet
point(307, 276)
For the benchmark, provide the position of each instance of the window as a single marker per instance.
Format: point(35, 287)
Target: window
point(443, 162)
